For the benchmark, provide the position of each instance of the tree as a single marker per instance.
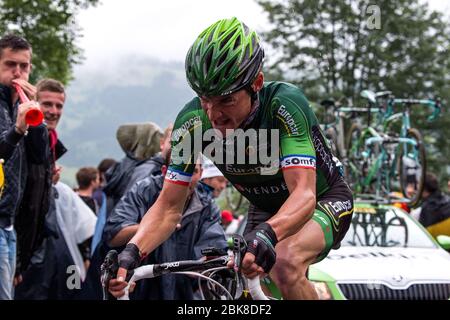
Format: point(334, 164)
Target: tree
point(338, 48)
point(50, 27)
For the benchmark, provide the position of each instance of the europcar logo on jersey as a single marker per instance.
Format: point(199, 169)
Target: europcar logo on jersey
point(288, 120)
point(298, 161)
point(262, 170)
point(185, 127)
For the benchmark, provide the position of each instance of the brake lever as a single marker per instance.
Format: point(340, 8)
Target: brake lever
point(108, 271)
point(239, 249)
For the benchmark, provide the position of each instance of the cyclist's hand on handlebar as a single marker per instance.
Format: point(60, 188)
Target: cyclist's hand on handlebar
point(117, 286)
point(261, 255)
point(129, 259)
point(249, 268)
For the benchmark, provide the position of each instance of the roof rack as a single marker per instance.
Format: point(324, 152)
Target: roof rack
point(374, 199)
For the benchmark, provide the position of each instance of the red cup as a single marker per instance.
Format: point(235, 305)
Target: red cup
point(33, 117)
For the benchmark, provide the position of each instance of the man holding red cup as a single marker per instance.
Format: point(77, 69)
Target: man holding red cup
point(17, 147)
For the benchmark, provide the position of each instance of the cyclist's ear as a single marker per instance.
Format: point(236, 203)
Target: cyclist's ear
point(259, 82)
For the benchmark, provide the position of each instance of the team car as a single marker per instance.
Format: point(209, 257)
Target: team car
point(386, 254)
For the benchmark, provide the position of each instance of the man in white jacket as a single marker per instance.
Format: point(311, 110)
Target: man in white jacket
point(57, 267)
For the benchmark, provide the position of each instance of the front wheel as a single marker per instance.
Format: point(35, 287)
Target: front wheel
point(412, 167)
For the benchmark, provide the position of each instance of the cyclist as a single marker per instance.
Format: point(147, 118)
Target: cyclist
point(300, 208)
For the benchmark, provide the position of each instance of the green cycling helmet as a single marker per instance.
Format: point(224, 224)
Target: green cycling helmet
point(225, 58)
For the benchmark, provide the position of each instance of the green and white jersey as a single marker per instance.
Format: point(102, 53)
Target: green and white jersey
point(299, 144)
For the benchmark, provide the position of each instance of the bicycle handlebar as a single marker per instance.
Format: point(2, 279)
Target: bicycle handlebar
point(219, 259)
point(435, 104)
point(156, 270)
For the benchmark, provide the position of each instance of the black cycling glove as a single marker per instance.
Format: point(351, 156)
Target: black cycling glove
point(130, 257)
point(261, 242)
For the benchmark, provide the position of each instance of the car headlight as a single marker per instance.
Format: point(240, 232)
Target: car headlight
point(322, 290)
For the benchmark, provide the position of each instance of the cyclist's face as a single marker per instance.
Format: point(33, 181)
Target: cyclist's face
point(227, 112)
point(51, 104)
point(14, 65)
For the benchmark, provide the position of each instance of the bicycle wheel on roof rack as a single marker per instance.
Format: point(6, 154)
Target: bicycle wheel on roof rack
point(412, 167)
point(354, 166)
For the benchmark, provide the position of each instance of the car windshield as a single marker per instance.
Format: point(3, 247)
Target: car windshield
point(385, 227)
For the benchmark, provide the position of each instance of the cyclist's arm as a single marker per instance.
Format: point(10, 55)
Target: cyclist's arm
point(299, 206)
point(162, 218)
point(298, 162)
point(123, 221)
point(123, 236)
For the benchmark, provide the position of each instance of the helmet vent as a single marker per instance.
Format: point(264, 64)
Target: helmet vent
point(229, 67)
point(207, 62)
point(237, 43)
point(225, 41)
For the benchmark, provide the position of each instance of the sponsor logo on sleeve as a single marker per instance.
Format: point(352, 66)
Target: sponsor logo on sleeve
point(298, 161)
point(178, 177)
point(185, 127)
point(288, 120)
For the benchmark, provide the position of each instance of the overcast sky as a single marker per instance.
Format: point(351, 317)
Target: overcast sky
point(161, 29)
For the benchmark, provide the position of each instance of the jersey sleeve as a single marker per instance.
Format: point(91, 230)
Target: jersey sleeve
point(184, 140)
point(292, 118)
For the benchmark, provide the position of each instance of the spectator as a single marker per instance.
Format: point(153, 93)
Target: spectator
point(88, 180)
point(102, 167)
point(17, 151)
point(199, 228)
point(154, 164)
point(100, 197)
point(30, 220)
point(139, 142)
point(48, 275)
point(213, 178)
point(435, 209)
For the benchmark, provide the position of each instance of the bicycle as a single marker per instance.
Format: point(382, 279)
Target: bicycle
point(409, 152)
point(206, 268)
point(335, 130)
point(375, 156)
point(371, 229)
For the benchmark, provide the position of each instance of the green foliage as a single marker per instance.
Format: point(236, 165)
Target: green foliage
point(329, 48)
point(50, 27)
